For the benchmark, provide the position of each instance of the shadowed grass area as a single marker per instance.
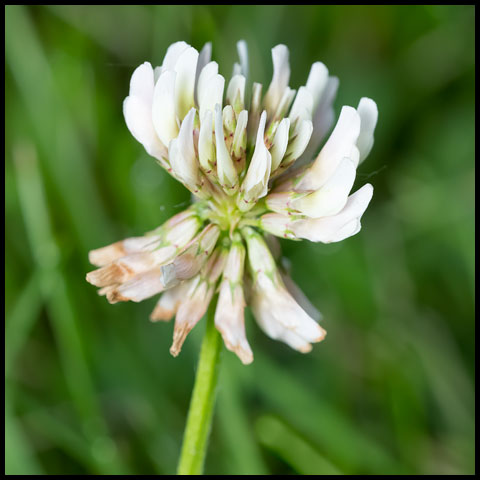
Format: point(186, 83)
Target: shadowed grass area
point(92, 389)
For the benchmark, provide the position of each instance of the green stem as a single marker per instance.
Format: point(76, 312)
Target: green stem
point(200, 413)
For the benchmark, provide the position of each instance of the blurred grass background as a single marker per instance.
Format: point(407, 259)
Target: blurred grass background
point(91, 388)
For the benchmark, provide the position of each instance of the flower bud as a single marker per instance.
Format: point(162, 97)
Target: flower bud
point(239, 145)
point(279, 144)
point(236, 93)
point(227, 174)
point(206, 146)
point(255, 183)
point(182, 154)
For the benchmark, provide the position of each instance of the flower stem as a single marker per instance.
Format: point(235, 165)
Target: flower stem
point(200, 413)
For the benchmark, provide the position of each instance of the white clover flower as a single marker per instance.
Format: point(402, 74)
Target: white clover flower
point(253, 173)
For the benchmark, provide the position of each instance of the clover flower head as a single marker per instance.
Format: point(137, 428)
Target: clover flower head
point(250, 161)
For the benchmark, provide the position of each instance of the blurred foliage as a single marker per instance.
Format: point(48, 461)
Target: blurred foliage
point(91, 388)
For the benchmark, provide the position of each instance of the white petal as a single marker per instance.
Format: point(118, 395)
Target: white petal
point(331, 197)
point(182, 153)
point(203, 59)
point(281, 76)
point(138, 117)
point(317, 81)
point(242, 50)
point(260, 258)
point(186, 68)
point(280, 316)
point(302, 107)
point(280, 142)
point(141, 83)
point(203, 83)
point(211, 95)
point(339, 145)
point(284, 104)
point(297, 293)
point(254, 112)
point(337, 227)
point(163, 113)
point(323, 119)
point(367, 109)
point(137, 109)
point(173, 53)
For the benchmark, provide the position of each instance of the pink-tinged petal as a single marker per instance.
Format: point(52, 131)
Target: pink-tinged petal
point(278, 224)
point(168, 304)
point(138, 288)
point(105, 255)
point(123, 269)
point(193, 258)
point(190, 311)
point(229, 321)
point(198, 293)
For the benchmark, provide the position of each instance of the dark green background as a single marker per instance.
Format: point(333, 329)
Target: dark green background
point(91, 387)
